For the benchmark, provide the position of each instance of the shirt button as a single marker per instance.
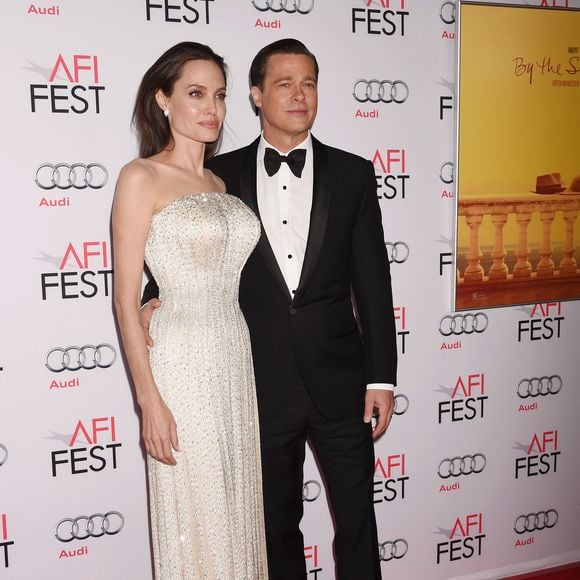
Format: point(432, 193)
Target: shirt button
point(292, 311)
point(293, 291)
point(284, 187)
point(284, 222)
point(289, 256)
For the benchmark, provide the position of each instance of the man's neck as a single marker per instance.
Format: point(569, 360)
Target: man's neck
point(284, 142)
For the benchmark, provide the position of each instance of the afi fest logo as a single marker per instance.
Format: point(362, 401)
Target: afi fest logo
point(401, 326)
point(312, 561)
point(5, 542)
point(83, 272)
point(464, 540)
point(467, 399)
point(541, 455)
point(380, 18)
point(544, 322)
point(391, 173)
point(74, 86)
point(92, 448)
point(390, 478)
point(178, 11)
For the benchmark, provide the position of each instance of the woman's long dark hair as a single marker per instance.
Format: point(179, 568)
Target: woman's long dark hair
point(152, 128)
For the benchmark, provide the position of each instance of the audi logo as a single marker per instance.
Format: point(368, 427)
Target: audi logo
point(465, 465)
point(401, 404)
point(539, 386)
point(65, 176)
point(398, 252)
point(74, 358)
point(394, 550)
point(536, 522)
point(446, 172)
point(3, 455)
point(311, 490)
point(447, 12)
point(468, 323)
point(376, 91)
point(288, 6)
point(95, 526)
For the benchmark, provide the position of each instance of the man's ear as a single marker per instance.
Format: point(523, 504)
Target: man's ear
point(256, 96)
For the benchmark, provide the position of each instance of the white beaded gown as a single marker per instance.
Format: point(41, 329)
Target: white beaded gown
point(207, 516)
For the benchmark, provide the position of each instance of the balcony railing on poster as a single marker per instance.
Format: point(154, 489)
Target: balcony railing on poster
point(523, 207)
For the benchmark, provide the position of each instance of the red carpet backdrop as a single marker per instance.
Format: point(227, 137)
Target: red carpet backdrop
point(478, 476)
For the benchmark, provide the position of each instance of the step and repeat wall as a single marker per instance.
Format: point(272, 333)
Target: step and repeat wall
point(478, 475)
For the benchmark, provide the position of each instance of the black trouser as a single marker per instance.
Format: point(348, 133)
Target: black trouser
point(345, 453)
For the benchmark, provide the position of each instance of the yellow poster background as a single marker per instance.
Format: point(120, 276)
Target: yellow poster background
point(519, 118)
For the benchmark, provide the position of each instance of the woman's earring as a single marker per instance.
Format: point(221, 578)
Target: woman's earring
point(166, 112)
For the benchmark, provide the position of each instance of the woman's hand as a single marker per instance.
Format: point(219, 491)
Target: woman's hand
point(159, 432)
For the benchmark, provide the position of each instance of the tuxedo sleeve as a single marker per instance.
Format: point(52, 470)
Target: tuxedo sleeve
point(371, 284)
point(151, 291)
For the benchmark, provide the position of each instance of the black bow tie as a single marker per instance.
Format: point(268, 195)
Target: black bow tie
point(295, 160)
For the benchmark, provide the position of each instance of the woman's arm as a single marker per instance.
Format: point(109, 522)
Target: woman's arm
point(133, 208)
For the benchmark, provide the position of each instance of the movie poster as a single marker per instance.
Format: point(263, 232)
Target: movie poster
point(518, 156)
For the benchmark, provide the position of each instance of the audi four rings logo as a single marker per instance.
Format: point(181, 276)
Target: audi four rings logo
point(398, 252)
point(76, 175)
point(311, 490)
point(288, 6)
point(401, 404)
point(3, 455)
point(376, 91)
point(393, 550)
point(446, 172)
point(456, 324)
point(465, 465)
point(535, 522)
point(74, 358)
point(95, 526)
point(539, 386)
point(447, 12)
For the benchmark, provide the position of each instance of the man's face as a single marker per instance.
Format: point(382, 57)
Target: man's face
point(288, 98)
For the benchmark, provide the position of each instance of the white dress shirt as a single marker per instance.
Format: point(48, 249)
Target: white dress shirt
point(284, 202)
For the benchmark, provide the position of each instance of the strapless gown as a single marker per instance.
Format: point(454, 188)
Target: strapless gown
point(207, 517)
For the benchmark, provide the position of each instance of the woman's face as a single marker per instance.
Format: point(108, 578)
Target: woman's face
point(197, 106)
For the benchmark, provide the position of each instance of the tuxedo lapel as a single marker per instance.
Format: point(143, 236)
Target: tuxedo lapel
point(248, 194)
point(318, 215)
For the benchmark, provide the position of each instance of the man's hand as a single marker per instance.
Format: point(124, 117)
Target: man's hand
point(145, 315)
point(384, 403)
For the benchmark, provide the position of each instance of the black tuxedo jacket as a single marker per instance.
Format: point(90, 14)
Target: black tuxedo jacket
point(316, 330)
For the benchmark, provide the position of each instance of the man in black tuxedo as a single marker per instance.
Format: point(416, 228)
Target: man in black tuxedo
point(321, 256)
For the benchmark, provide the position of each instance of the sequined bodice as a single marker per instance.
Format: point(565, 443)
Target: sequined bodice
point(197, 247)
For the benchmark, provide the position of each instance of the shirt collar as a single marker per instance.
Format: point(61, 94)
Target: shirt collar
point(306, 144)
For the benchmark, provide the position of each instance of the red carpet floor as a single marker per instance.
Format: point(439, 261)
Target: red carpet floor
point(569, 572)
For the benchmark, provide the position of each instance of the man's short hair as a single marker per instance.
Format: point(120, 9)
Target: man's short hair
point(259, 65)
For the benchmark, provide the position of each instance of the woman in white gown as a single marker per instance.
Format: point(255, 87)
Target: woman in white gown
point(195, 386)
